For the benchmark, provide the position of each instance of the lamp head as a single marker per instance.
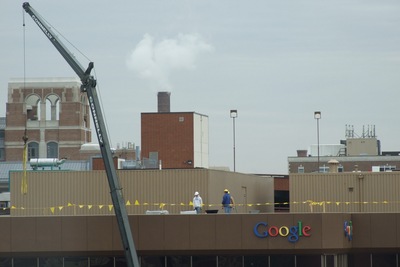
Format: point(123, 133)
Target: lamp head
point(234, 113)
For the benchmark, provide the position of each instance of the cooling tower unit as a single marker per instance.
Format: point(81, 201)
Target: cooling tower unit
point(163, 102)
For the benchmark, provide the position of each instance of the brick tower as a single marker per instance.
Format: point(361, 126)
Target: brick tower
point(176, 140)
point(54, 115)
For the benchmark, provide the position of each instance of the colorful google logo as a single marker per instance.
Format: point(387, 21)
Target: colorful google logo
point(293, 233)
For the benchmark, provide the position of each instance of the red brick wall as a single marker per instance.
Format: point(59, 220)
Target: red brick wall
point(169, 134)
point(98, 163)
point(72, 112)
point(14, 154)
point(281, 184)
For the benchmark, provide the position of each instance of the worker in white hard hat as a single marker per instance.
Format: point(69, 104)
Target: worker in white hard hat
point(197, 202)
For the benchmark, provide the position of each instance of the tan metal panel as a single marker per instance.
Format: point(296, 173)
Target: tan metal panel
point(345, 192)
point(88, 193)
point(171, 190)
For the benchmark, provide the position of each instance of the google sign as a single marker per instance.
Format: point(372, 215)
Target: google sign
point(293, 233)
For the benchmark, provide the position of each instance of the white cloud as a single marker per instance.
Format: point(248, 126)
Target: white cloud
point(157, 60)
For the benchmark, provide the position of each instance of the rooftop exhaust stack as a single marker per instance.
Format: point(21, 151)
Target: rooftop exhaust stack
point(163, 102)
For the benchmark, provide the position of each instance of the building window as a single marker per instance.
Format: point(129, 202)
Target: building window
point(156, 261)
point(328, 260)
point(178, 260)
point(76, 261)
point(101, 261)
point(256, 260)
point(50, 261)
point(6, 262)
point(323, 169)
point(230, 261)
point(52, 107)
point(33, 150)
point(120, 262)
point(387, 168)
point(309, 260)
point(52, 150)
point(300, 169)
point(282, 260)
point(33, 107)
point(26, 262)
point(384, 260)
point(340, 168)
point(204, 260)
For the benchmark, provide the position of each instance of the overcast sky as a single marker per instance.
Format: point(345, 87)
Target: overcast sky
point(276, 62)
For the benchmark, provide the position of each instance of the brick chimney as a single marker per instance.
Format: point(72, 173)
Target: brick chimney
point(163, 102)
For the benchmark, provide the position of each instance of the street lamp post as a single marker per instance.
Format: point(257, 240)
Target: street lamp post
point(234, 115)
point(317, 116)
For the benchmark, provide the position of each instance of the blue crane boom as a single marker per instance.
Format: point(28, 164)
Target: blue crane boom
point(89, 87)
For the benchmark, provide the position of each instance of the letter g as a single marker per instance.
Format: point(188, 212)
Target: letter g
point(257, 233)
point(294, 234)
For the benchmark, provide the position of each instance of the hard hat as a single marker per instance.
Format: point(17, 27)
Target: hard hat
point(226, 190)
point(196, 193)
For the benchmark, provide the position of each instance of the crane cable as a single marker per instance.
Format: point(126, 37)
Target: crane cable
point(24, 182)
point(87, 58)
point(95, 75)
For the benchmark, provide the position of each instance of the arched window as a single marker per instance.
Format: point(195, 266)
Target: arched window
point(52, 150)
point(33, 150)
point(33, 107)
point(52, 107)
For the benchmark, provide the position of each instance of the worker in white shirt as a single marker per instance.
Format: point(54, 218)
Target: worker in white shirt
point(197, 202)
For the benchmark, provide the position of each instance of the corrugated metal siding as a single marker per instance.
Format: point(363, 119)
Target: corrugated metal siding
point(171, 190)
point(88, 193)
point(345, 192)
point(260, 191)
point(78, 193)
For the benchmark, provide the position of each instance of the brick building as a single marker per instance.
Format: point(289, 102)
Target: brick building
point(352, 154)
point(2, 134)
point(174, 139)
point(52, 113)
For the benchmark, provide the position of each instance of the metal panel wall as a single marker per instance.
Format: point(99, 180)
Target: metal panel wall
point(87, 192)
point(41, 236)
point(171, 190)
point(70, 236)
point(250, 192)
point(345, 192)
